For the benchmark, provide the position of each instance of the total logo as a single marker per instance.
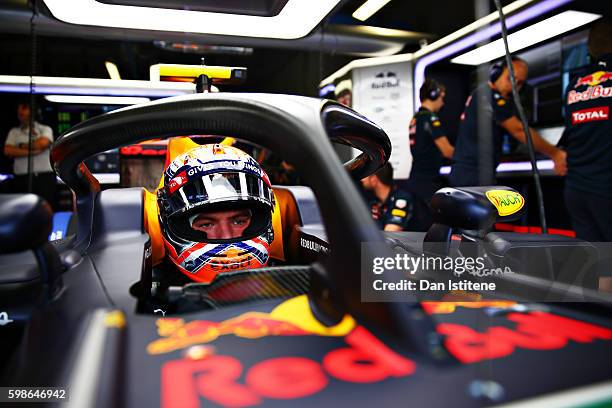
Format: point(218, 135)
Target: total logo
point(591, 115)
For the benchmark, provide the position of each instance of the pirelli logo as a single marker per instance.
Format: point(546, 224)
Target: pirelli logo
point(590, 115)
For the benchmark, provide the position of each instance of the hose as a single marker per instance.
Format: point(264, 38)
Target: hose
point(521, 113)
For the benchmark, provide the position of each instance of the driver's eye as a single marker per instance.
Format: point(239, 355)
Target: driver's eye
point(240, 220)
point(203, 224)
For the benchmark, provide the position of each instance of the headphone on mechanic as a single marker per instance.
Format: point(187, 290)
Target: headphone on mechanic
point(431, 89)
point(497, 68)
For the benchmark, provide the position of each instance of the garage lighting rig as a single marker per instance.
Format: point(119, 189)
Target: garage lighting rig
point(295, 20)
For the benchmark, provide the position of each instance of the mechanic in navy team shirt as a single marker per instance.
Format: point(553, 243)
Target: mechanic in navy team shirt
point(428, 145)
point(392, 207)
point(501, 114)
point(588, 135)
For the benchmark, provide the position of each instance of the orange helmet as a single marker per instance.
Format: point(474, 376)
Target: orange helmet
point(215, 212)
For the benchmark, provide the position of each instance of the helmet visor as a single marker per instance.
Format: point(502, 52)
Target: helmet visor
point(216, 188)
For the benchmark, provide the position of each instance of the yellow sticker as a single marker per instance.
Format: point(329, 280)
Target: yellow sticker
point(114, 319)
point(507, 202)
point(436, 123)
point(501, 102)
point(398, 213)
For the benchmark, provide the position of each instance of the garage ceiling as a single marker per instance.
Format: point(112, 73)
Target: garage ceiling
point(76, 50)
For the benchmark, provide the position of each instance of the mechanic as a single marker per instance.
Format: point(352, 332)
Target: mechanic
point(465, 170)
point(392, 208)
point(343, 92)
point(588, 135)
point(215, 214)
point(428, 145)
point(17, 146)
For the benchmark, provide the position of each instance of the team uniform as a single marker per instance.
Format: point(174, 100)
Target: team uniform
point(425, 128)
point(396, 210)
point(465, 169)
point(588, 135)
point(43, 179)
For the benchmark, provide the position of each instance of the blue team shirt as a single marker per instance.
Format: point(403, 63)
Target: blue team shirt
point(466, 147)
point(588, 130)
point(397, 209)
point(425, 128)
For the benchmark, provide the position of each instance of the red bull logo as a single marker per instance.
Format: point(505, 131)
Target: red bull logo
point(223, 380)
point(594, 79)
point(592, 92)
point(362, 359)
point(290, 318)
point(177, 182)
point(534, 331)
point(178, 334)
point(218, 149)
point(451, 307)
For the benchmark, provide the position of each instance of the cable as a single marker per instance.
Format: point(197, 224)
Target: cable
point(32, 98)
point(523, 118)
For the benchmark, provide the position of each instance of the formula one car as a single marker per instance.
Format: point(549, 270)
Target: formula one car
point(83, 315)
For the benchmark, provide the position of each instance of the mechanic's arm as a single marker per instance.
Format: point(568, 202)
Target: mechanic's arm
point(35, 146)
point(14, 151)
point(436, 130)
point(41, 143)
point(514, 127)
point(445, 147)
point(393, 227)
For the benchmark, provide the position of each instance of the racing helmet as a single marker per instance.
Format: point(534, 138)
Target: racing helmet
point(204, 182)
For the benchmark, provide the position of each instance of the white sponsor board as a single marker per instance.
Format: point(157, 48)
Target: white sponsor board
point(383, 94)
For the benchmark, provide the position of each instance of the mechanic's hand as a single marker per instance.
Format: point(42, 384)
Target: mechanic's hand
point(25, 146)
point(560, 160)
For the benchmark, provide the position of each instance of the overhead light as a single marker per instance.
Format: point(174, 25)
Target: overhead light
point(93, 86)
point(367, 9)
point(512, 167)
point(295, 20)
point(112, 69)
point(477, 26)
point(481, 30)
point(97, 100)
point(534, 34)
point(327, 89)
point(457, 41)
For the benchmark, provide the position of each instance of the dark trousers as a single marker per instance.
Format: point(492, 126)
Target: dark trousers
point(591, 215)
point(43, 184)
